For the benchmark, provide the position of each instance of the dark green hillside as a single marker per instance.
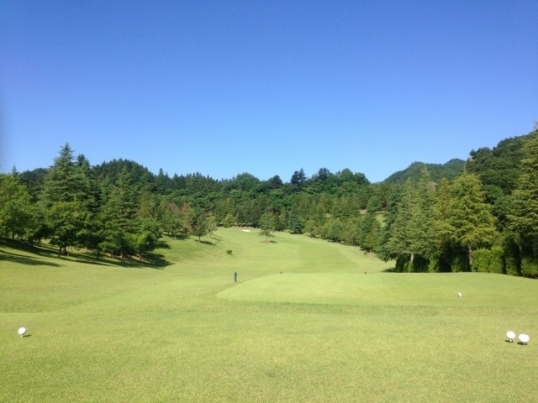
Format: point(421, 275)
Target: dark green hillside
point(437, 171)
point(499, 167)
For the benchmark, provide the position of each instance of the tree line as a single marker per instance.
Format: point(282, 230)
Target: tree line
point(484, 219)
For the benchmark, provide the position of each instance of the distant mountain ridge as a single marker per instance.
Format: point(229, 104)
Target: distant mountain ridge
point(449, 170)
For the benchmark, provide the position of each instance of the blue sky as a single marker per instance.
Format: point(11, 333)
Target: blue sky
point(265, 87)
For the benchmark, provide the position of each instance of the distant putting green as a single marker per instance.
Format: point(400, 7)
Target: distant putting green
point(384, 289)
point(307, 321)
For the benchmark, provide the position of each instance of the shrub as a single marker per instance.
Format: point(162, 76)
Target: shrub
point(529, 267)
point(496, 260)
point(481, 259)
point(229, 251)
point(433, 266)
point(489, 260)
point(459, 263)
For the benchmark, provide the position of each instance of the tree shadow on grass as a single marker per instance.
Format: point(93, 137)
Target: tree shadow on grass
point(34, 248)
point(390, 270)
point(207, 243)
point(178, 237)
point(216, 238)
point(85, 258)
point(26, 260)
point(152, 260)
point(158, 262)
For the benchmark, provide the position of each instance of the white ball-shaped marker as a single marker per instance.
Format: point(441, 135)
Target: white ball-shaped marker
point(22, 331)
point(510, 335)
point(524, 338)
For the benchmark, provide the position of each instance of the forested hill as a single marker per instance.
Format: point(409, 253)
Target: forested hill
point(481, 218)
point(499, 167)
point(437, 171)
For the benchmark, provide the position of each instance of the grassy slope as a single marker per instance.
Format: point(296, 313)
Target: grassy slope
point(321, 331)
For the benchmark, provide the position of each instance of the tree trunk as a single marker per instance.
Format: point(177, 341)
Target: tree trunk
point(470, 257)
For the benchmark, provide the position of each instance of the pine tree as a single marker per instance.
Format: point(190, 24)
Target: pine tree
point(524, 217)
point(370, 232)
point(64, 182)
point(410, 232)
point(471, 217)
point(442, 226)
point(386, 252)
point(67, 200)
point(119, 217)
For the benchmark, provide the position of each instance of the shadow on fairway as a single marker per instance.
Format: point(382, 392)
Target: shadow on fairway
point(27, 260)
point(207, 242)
point(153, 260)
point(179, 237)
point(157, 261)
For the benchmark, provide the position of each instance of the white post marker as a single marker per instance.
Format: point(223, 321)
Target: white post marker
point(22, 331)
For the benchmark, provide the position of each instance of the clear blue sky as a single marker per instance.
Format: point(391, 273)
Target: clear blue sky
point(265, 87)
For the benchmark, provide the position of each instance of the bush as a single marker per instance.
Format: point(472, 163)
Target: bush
point(434, 266)
point(529, 267)
point(481, 260)
point(489, 260)
point(496, 260)
point(229, 251)
point(459, 263)
point(511, 265)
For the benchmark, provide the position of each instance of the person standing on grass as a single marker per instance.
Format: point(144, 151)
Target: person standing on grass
point(235, 276)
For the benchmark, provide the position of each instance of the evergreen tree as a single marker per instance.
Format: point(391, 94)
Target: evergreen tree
point(266, 225)
point(471, 217)
point(442, 227)
point(298, 178)
point(119, 217)
point(386, 252)
point(67, 199)
point(294, 224)
point(524, 217)
point(64, 182)
point(370, 232)
point(410, 233)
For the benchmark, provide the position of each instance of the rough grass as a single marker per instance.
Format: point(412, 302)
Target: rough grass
point(322, 331)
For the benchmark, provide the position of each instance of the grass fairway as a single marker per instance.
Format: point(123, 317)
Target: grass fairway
point(322, 331)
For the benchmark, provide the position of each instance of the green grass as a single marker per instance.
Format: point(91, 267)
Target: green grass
point(322, 331)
